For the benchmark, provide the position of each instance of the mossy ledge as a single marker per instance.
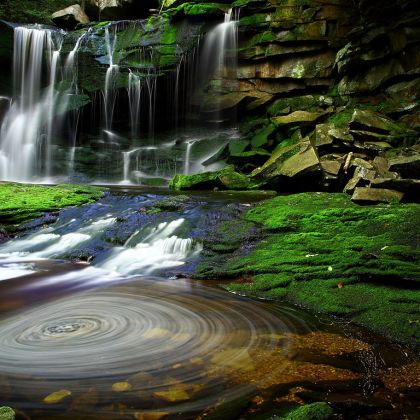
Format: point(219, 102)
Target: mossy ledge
point(330, 255)
point(22, 202)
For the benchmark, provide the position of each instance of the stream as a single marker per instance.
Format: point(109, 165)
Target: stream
point(99, 319)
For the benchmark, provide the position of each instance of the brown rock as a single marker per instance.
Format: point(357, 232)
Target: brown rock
point(376, 195)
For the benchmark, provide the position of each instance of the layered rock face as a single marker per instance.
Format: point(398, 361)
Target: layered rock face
point(334, 86)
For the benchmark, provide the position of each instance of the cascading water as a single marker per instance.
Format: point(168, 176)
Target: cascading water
point(32, 119)
point(27, 127)
point(111, 77)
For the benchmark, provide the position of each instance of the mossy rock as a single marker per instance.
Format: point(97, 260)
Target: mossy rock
point(7, 413)
point(226, 178)
point(315, 411)
point(22, 202)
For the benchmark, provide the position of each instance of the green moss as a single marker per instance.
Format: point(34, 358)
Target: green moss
point(226, 178)
point(315, 411)
point(7, 413)
point(317, 242)
point(341, 119)
point(30, 11)
point(22, 202)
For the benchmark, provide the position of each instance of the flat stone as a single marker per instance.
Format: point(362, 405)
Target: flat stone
point(362, 163)
point(332, 167)
point(376, 195)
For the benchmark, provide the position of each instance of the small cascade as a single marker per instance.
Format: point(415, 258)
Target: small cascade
point(218, 58)
point(189, 145)
point(111, 78)
point(134, 97)
point(159, 250)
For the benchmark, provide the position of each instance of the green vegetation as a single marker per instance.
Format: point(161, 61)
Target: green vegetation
point(315, 411)
point(30, 11)
point(22, 202)
point(331, 255)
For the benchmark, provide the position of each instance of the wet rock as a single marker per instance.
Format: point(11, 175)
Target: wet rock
point(121, 387)
point(70, 16)
point(291, 161)
point(57, 397)
point(7, 413)
point(407, 166)
point(376, 195)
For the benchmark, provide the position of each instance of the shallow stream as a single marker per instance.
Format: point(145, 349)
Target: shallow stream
point(99, 320)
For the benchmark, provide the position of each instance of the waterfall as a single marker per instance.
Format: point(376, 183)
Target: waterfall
point(27, 126)
point(218, 57)
point(31, 122)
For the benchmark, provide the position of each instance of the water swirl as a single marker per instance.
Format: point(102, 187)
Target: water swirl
point(170, 331)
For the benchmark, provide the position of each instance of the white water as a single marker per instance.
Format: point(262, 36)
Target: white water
point(30, 124)
point(157, 250)
point(160, 249)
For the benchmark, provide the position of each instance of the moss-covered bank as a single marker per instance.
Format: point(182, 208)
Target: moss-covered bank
point(331, 255)
point(22, 202)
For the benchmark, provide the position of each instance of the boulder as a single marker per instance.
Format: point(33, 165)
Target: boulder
point(226, 178)
point(291, 161)
point(69, 17)
point(372, 122)
point(376, 195)
point(407, 166)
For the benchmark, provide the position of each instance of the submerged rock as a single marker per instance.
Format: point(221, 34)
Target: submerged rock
point(57, 396)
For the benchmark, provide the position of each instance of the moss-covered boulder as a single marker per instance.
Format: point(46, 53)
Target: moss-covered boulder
point(22, 202)
point(7, 413)
point(226, 178)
